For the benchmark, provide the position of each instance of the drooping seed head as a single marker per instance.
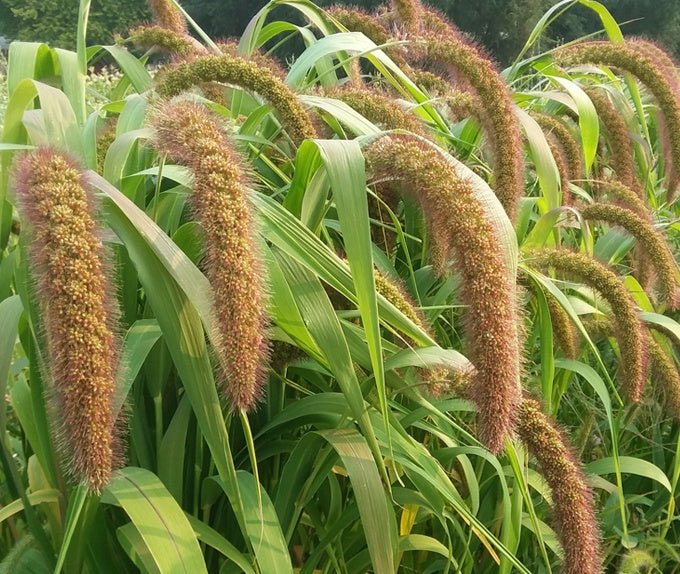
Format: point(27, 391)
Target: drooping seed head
point(448, 202)
point(573, 510)
point(620, 144)
point(464, 61)
point(652, 73)
point(565, 139)
point(166, 39)
point(245, 74)
point(664, 376)
point(190, 134)
point(565, 332)
point(623, 196)
point(78, 311)
point(650, 241)
point(628, 327)
point(168, 16)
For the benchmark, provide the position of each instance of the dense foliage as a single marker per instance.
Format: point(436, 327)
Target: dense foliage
point(382, 309)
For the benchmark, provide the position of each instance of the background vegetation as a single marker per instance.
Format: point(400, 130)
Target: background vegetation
point(501, 26)
point(427, 227)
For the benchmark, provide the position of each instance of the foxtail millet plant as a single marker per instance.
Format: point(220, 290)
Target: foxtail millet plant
point(648, 239)
point(168, 16)
point(165, 39)
point(619, 142)
point(78, 312)
point(191, 135)
point(566, 141)
point(572, 501)
point(622, 195)
point(448, 202)
point(464, 62)
point(244, 74)
point(629, 329)
point(646, 68)
point(664, 377)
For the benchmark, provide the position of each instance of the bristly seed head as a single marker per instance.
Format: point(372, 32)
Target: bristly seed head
point(78, 311)
point(189, 133)
point(651, 71)
point(573, 513)
point(245, 74)
point(496, 110)
point(629, 327)
point(410, 166)
point(168, 16)
point(650, 241)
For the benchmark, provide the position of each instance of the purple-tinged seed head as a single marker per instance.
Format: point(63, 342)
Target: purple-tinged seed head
point(408, 165)
point(573, 512)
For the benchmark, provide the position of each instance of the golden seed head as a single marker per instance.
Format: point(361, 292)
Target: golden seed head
point(189, 133)
point(245, 74)
point(78, 311)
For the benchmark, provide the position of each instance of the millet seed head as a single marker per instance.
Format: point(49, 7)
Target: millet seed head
point(245, 74)
point(78, 312)
point(655, 248)
point(410, 166)
point(620, 144)
point(168, 16)
point(573, 511)
point(190, 134)
point(628, 326)
point(496, 109)
point(645, 66)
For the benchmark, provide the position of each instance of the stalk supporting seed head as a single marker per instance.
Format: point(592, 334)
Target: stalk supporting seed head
point(191, 135)
point(411, 166)
point(573, 512)
point(78, 311)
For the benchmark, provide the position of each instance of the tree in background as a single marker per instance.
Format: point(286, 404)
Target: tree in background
point(53, 21)
point(501, 26)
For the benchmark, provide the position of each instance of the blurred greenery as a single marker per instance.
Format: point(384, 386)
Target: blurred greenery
point(501, 26)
